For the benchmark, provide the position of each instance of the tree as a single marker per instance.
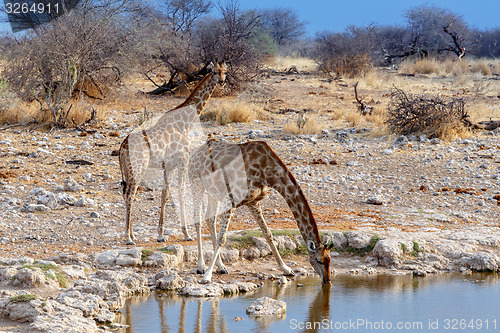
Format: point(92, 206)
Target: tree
point(77, 55)
point(283, 25)
point(348, 53)
point(182, 15)
point(437, 30)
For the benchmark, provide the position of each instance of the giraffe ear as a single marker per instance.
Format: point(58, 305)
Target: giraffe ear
point(310, 246)
point(328, 246)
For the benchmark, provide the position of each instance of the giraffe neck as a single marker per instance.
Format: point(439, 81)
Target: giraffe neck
point(284, 183)
point(201, 93)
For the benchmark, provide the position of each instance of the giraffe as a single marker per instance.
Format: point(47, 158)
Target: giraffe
point(165, 145)
point(241, 174)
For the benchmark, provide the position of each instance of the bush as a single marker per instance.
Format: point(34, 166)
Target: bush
point(346, 54)
point(77, 55)
point(435, 117)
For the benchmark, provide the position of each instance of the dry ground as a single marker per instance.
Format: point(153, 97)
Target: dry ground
point(412, 180)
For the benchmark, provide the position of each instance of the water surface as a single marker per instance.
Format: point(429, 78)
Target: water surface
point(382, 303)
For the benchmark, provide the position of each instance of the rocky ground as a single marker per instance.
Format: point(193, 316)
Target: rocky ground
point(390, 204)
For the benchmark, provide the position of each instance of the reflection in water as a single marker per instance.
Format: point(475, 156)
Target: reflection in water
point(370, 298)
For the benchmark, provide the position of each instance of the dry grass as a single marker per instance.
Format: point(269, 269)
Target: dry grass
point(421, 66)
point(232, 111)
point(309, 126)
point(451, 66)
point(354, 119)
point(302, 64)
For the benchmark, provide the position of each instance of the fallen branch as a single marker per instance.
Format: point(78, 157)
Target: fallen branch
point(364, 108)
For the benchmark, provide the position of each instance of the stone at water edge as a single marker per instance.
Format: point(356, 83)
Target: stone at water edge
point(265, 306)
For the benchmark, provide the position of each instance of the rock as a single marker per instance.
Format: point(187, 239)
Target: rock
point(202, 290)
point(89, 304)
point(107, 258)
point(482, 262)
point(32, 277)
point(47, 199)
point(177, 250)
point(251, 253)
point(390, 250)
point(358, 239)
point(229, 255)
point(161, 260)
point(262, 245)
point(388, 151)
point(245, 287)
point(30, 208)
point(129, 258)
point(265, 306)
point(338, 239)
point(376, 200)
point(168, 280)
point(282, 280)
point(66, 199)
point(71, 185)
point(284, 243)
point(63, 323)
point(401, 142)
point(85, 202)
point(95, 215)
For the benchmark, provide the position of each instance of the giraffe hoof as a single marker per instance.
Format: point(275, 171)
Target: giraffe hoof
point(161, 240)
point(200, 271)
point(222, 271)
point(205, 281)
point(189, 239)
point(130, 242)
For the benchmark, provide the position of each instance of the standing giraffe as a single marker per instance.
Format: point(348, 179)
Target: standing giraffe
point(235, 175)
point(166, 145)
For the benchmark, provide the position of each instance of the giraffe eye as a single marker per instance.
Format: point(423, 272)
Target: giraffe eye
point(319, 261)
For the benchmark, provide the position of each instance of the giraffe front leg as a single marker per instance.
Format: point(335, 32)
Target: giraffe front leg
point(211, 220)
point(257, 213)
point(163, 202)
point(225, 220)
point(197, 203)
point(182, 202)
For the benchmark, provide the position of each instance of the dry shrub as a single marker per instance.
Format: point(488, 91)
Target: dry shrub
point(481, 66)
point(304, 125)
point(349, 66)
point(421, 66)
point(454, 66)
point(377, 117)
point(435, 117)
point(337, 114)
point(232, 112)
point(354, 119)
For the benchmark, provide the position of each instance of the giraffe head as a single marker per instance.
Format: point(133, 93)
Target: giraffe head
point(219, 70)
point(319, 257)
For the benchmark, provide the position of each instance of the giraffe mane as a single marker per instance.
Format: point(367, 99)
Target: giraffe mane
point(297, 186)
point(190, 97)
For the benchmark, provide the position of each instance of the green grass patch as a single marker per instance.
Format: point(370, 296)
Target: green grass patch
point(58, 276)
point(23, 298)
point(244, 239)
point(166, 250)
point(416, 249)
point(300, 250)
point(145, 253)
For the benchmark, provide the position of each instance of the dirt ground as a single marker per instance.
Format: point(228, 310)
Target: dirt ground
point(338, 170)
